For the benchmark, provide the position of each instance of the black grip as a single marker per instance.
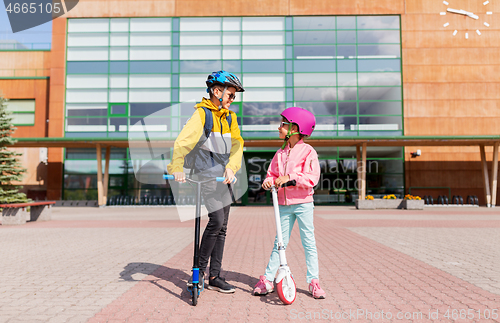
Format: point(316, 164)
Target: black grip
point(289, 183)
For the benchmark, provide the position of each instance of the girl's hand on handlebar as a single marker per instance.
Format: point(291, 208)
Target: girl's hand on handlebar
point(281, 180)
point(229, 175)
point(267, 185)
point(180, 177)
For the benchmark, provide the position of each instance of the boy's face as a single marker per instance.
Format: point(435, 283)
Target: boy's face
point(228, 98)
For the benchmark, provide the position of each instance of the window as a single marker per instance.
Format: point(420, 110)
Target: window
point(23, 112)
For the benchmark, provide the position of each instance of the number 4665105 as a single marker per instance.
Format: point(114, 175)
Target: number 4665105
point(34, 8)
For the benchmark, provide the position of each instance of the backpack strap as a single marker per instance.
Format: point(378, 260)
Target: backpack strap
point(229, 119)
point(209, 123)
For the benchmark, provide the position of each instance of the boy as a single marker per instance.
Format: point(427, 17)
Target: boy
point(220, 155)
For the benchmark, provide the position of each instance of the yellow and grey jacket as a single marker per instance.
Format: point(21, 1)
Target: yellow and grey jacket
point(223, 149)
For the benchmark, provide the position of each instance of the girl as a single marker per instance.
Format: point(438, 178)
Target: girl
point(296, 162)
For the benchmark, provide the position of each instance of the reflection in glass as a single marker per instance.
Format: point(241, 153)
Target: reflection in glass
point(346, 37)
point(314, 22)
point(319, 108)
point(380, 108)
point(118, 67)
point(392, 122)
point(347, 108)
point(87, 112)
point(317, 65)
point(145, 109)
point(346, 65)
point(315, 94)
point(379, 65)
point(200, 66)
point(380, 93)
point(347, 93)
point(384, 79)
point(388, 51)
point(142, 67)
point(347, 121)
point(346, 22)
point(378, 36)
point(314, 37)
point(87, 67)
point(378, 22)
point(346, 51)
point(263, 108)
point(347, 79)
point(263, 66)
point(314, 52)
point(314, 79)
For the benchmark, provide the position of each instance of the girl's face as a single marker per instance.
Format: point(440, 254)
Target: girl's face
point(283, 128)
point(229, 96)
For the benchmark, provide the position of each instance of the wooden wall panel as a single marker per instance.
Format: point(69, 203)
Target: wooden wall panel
point(451, 108)
point(29, 89)
point(36, 174)
point(451, 56)
point(184, 8)
point(452, 91)
point(445, 39)
point(346, 7)
point(126, 8)
point(451, 73)
point(433, 6)
point(452, 126)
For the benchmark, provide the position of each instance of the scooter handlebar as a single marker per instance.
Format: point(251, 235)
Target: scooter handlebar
point(170, 177)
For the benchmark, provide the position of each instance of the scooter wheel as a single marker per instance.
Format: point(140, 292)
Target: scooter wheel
point(287, 290)
point(195, 295)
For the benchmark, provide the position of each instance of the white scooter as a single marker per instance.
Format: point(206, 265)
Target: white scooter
point(285, 285)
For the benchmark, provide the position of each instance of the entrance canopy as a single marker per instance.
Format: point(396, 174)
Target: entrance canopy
point(361, 143)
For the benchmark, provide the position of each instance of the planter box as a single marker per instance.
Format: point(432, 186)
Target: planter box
point(414, 204)
point(389, 204)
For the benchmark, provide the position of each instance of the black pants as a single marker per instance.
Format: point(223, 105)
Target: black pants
point(218, 202)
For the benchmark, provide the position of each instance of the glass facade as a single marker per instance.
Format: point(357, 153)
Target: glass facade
point(346, 70)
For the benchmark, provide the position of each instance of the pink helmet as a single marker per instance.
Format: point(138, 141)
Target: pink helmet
point(303, 118)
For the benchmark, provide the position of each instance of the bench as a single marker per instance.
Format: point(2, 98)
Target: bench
point(17, 213)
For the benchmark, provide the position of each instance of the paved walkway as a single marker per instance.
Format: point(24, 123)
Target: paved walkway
point(111, 265)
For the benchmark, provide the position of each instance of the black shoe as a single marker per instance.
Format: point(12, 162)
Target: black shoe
point(220, 284)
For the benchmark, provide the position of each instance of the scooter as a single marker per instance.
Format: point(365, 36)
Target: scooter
point(194, 285)
point(285, 284)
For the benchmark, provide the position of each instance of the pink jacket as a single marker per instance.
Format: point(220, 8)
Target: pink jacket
point(302, 165)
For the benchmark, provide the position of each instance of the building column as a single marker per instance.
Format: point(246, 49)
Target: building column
point(363, 172)
point(494, 175)
point(358, 169)
point(484, 167)
point(100, 188)
point(106, 175)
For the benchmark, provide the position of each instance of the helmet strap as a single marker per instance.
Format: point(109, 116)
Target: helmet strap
point(288, 135)
point(221, 97)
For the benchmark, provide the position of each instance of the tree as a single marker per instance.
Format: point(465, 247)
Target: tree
point(10, 167)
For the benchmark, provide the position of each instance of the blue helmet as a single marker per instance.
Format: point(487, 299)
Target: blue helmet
point(225, 79)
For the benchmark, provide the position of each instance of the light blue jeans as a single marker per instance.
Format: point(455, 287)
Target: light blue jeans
point(303, 213)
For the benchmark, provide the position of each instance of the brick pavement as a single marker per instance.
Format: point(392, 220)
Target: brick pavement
point(398, 262)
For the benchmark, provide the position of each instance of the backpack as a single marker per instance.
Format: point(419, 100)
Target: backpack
point(190, 159)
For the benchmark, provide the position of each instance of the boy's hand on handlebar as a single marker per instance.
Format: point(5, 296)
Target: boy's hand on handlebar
point(229, 175)
point(180, 177)
point(281, 180)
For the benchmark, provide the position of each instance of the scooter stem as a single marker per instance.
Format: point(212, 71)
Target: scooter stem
point(279, 235)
